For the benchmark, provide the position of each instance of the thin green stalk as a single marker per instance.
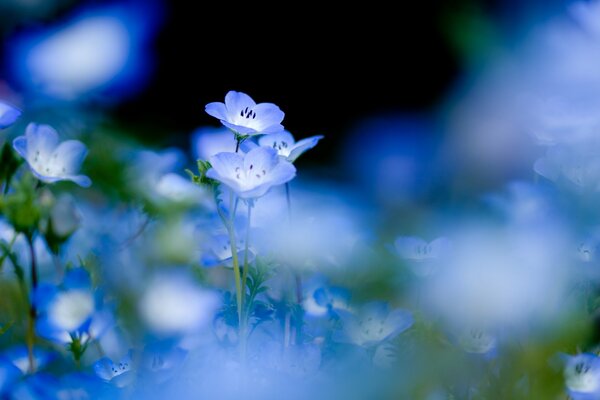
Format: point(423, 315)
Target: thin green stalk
point(236, 273)
point(32, 309)
point(245, 271)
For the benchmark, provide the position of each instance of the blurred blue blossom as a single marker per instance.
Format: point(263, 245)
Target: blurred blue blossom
point(372, 323)
point(206, 142)
point(48, 160)
point(8, 114)
point(97, 50)
point(582, 376)
point(244, 117)
point(253, 174)
point(422, 257)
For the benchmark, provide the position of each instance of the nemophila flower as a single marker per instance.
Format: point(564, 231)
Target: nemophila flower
point(582, 376)
point(251, 175)
point(372, 324)
point(97, 50)
point(177, 189)
point(325, 300)
point(118, 373)
point(286, 146)
point(69, 312)
point(243, 116)
point(217, 250)
point(19, 357)
point(477, 341)
point(8, 114)
point(160, 360)
point(422, 257)
point(48, 160)
point(174, 305)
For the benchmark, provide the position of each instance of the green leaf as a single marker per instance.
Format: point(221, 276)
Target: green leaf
point(9, 163)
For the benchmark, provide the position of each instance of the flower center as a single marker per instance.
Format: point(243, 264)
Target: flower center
point(248, 113)
point(250, 173)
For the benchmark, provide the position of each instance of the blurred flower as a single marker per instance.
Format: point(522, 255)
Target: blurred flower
point(286, 145)
point(477, 341)
point(422, 257)
point(19, 357)
point(64, 216)
point(8, 114)
point(48, 160)
point(325, 300)
point(207, 141)
point(174, 305)
point(577, 165)
point(243, 116)
point(9, 374)
point(582, 376)
point(372, 324)
point(98, 50)
point(178, 189)
point(253, 174)
point(217, 250)
point(69, 313)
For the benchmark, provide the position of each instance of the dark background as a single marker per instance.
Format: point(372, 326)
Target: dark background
point(327, 66)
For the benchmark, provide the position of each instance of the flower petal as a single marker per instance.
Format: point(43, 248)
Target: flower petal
point(81, 180)
point(261, 159)
point(283, 172)
point(67, 158)
point(8, 115)
point(236, 102)
point(274, 139)
point(217, 110)
point(242, 130)
point(20, 146)
point(226, 164)
point(302, 146)
point(41, 141)
point(268, 118)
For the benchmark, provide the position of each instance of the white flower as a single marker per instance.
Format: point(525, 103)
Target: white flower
point(48, 160)
point(242, 115)
point(253, 174)
point(422, 256)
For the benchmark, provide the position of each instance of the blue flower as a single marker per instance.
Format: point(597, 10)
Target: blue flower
point(372, 324)
point(325, 299)
point(117, 373)
point(217, 250)
point(253, 174)
point(207, 142)
point(286, 146)
point(19, 357)
point(422, 257)
point(48, 160)
point(243, 116)
point(9, 374)
point(69, 312)
point(582, 376)
point(8, 114)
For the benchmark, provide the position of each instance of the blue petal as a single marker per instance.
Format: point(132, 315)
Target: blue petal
point(226, 164)
point(8, 375)
point(242, 130)
point(207, 142)
point(302, 146)
point(268, 117)
point(238, 101)
point(70, 154)
point(277, 138)
point(399, 320)
point(217, 110)
point(20, 146)
point(283, 172)
point(8, 115)
point(40, 138)
point(81, 180)
point(261, 159)
point(77, 278)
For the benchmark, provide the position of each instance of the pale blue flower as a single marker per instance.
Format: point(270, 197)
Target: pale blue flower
point(286, 145)
point(422, 257)
point(582, 376)
point(8, 115)
point(19, 357)
point(174, 305)
point(70, 311)
point(119, 373)
point(372, 324)
point(251, 175)
point(217, 250)
point(49, 160)
point(243, 116)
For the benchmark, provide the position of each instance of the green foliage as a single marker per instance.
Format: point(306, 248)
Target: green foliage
point(23, 207)
point(202, 179)
point(9, 164)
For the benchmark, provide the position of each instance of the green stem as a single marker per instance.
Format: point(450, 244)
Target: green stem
point(245, 271)
point(32, 310)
